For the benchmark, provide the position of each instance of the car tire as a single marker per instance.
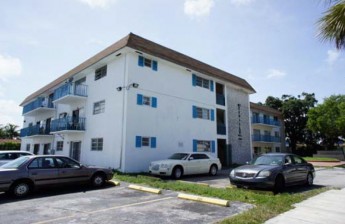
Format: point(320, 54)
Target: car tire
point(21, 189)
point(213, 170)
point(177, 173)
point(98, 180)
point(310, 179)
point(279, 184)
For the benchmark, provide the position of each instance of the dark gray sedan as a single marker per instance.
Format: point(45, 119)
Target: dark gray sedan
point(274, 171)
point(22, 175)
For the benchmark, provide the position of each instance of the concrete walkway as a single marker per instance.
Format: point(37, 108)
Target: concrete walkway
point(327, 207)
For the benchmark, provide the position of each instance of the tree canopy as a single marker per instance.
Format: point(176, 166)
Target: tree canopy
point(294, 111)
point(9, 131)
point(328, 119)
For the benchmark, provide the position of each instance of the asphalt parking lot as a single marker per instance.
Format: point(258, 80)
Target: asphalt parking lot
point(110, 205)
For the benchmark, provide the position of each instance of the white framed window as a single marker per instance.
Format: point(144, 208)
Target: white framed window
point(28, 147)
point(145, 141)
point(202, 113)
point(96, 144)
point(59, 145)
point(203, 146)
point(148, 62)
point(205, 83)
point(147, 100)
point(100, 72)
point(99, 107)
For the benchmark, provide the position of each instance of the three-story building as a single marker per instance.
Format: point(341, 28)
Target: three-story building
point(137, 101)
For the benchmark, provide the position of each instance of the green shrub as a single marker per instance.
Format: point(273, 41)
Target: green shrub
point(9, 146)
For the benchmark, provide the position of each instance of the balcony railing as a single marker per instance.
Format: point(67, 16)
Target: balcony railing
point(261, 120)
point(70, 89)
point(221, 129)
point(220, 99)
point(34, 130)
point(68, 124)
point(40, 102)
point(265, 138)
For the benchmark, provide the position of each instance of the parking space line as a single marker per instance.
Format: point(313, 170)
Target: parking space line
point(106, 209)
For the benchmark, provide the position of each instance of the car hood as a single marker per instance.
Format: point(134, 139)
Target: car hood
point(255, 168)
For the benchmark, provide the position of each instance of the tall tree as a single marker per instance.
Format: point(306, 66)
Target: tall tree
point(294, 111)
point(328, 119)
point(332, 24)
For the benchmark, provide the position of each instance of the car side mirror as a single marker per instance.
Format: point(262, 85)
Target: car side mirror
point(191, 158)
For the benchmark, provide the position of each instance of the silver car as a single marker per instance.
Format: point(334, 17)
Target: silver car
point(22, 175)
point(7, 156)
point(275, 171)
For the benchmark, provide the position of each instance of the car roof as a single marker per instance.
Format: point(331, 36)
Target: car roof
point(279, 154)
point(13, 151)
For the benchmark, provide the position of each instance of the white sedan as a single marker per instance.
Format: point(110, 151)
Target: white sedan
point(180, 164)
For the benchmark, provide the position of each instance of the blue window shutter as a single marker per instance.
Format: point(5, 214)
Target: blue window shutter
point(195, 145)
point(154, 65)
point(153, 142)
point(194, 80)
point(138, 141)
point(211, 85)
point(141, 61)
point(195, 113)
point(140, 99)
point(212, 115)
point(213, 146)
point(154, 102)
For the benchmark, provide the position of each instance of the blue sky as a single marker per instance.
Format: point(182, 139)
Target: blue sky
point(270, 43)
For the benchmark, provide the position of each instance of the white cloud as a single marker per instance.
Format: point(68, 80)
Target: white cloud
point(98, 3)
point(241, 2)
point(275, 73)
point(10, 112)
point(332, 56)
point(198, 8)
point(9, 66)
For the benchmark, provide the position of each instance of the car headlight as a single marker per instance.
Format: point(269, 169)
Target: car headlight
point(264, 173)
point(165, 166)
point(232, 173)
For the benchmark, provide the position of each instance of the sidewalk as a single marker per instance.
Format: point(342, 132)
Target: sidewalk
point(328, 164)
point(327, 207)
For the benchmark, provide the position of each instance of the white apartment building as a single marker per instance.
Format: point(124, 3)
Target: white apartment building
point(137, 101)
point(268, 133)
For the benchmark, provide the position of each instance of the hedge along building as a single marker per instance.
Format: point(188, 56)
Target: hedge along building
point(137, 101)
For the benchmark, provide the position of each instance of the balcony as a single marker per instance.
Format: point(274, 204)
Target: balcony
point(220, 99)
point(35, 130)
point(265, 138)
point(265, 121)
point(40, 105)
point(68, 125)
point(221, 129)
point(69, 93)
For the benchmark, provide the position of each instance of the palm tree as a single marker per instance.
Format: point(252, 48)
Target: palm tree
point(11, 130)
point(332, 24)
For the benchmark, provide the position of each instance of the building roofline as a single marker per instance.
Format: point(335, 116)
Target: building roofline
point(146, 46)
point(265, 109)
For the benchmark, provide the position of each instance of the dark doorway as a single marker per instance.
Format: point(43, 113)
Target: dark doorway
point(222, 152)
point(46, 149)
point(36, 149)
point(75, 150)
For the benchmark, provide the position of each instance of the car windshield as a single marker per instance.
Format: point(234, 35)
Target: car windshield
point(269, 160)
point(16, 163)
point(179, 156)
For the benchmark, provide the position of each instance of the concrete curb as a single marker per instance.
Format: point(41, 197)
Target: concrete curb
point(189, 182)
point(116, 183)
point(197, 198)
point(146, 189)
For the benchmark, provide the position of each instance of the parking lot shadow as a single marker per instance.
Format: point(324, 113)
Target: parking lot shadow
point(51, 191)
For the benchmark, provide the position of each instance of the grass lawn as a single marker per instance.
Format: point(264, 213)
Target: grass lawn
point(266, 205)
point(320, 159)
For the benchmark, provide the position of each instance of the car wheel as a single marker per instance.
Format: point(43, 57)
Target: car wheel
point(213, 170)
point(98, 180)
point(177, 173)
point(310, 179)
point(21, 189)
point(279, 184)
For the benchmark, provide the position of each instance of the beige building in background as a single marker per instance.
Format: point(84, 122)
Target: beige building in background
point(267, 127)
